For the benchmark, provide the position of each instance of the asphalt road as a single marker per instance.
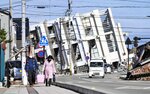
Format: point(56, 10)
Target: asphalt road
point(111, 84)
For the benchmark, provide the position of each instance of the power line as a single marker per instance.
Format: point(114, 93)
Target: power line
point(123, 27)
point(89, 6)
point(59, 14)
point(39, 14)
point(16, 2)
point(135, 1)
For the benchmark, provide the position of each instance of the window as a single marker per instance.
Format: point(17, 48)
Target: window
point(96, 64)
point(78, 54)
point(70, 30)
point(93, 49)
point(51, 30)
point(87, 26)
point(106, 23)
point(110, 43)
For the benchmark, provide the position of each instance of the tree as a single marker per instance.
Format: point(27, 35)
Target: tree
point(2, 35)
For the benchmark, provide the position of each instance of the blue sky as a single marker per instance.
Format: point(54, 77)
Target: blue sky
point(132, 14)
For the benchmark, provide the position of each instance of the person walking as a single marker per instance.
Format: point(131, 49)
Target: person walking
point(49, 69)
point(31, 68)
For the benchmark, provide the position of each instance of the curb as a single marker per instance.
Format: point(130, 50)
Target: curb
point(78, 89)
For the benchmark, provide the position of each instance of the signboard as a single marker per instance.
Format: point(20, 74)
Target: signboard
point(37, 50)
point(43, 41)
point(87, 58)
point(41, 54)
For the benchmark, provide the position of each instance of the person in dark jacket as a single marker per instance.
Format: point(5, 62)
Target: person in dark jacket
point(31, 67)
point(8, 73)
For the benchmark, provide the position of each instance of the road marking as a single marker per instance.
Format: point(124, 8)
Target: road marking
point(124, 87)
point(81, 82)
point(93, 88)
point(133, 87)
point(146, 88)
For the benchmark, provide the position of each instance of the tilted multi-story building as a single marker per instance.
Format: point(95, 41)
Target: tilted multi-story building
point(75, 40)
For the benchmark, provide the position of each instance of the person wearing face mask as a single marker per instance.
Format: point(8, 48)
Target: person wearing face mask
point(49, 69)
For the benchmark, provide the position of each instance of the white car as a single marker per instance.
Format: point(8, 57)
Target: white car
point(96, 68)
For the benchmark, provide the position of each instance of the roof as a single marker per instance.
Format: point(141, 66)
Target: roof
point(148, 43)
point(4, 12)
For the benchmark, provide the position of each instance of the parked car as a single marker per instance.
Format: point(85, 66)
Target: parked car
point(96, 68)
point(15, 68)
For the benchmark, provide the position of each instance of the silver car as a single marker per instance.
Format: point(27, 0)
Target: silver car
point(15, 69)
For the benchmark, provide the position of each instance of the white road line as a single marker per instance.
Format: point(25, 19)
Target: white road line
point(124, 87)
point(146, 88)
point(133, 87)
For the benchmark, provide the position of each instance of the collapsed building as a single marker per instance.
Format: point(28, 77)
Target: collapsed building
point(75, 40)
point(141, 65)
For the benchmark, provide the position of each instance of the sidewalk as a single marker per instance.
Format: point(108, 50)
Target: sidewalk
point(53, 89)
point(36, 89)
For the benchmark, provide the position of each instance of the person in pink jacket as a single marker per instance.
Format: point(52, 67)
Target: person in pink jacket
point(49, 70)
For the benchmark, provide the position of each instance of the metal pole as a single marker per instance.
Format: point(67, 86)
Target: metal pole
point(128, 60)
point(60, 48)
point(44, 54)
point(69, 40)
point(24, 76)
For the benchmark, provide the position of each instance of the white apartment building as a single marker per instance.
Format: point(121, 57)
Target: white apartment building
point(75, 40)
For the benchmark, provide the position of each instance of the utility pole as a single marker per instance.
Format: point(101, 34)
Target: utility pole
point(11, 33)
point(69, 40)
point(24, 76)
point(128, 42)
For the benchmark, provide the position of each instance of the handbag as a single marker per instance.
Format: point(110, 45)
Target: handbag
point(40, 78)
point(54, 78)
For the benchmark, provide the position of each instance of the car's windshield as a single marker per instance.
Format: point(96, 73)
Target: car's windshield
point(16, 64)
point(96, 64)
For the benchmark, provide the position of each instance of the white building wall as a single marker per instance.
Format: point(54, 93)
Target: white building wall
point(117, 36)
point(79, 31)
point(98, 35)
point(122, 46)
point(64, 45)
point(103, 49)
point(96, 38)
point(43, 32)
point(67, 44)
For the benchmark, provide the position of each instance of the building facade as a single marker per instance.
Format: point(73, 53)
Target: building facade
point(5, 24)
point(75, 40)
